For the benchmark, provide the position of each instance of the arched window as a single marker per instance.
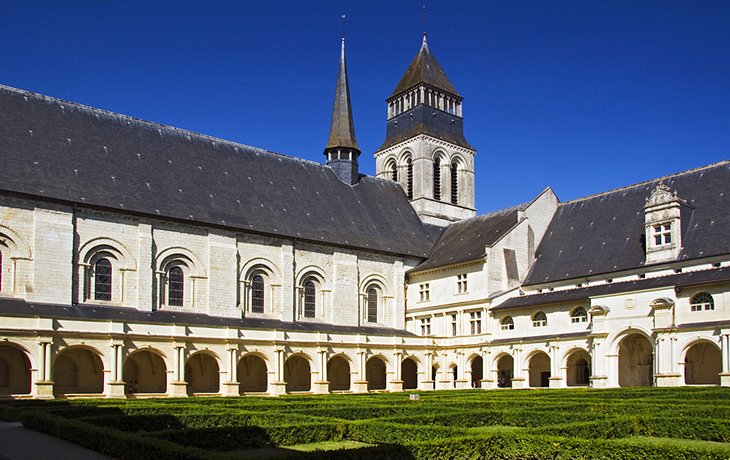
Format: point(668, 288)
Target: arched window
point(175, 287)
point(409, 177)
point(310, 299)
point(393, 170)
point(539, 320)
point(103, 279)
point(454, 183)
point(437, 179)
point(702, 301)
point(257, 294)
point(372, 305)
point(579, 315)
point(507, 323)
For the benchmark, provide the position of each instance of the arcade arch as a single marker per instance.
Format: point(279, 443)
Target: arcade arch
point(702, 364)
point(635, 361)
point(409, 374)
point(145, 372)
point(375, 373)
point(297, 374)
point(252, 374)
point(202, 374)
point(15, 372)
point(338, 373)
point(78, 370)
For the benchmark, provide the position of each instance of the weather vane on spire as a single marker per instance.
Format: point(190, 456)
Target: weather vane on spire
point(343, 26)
point(424, 17)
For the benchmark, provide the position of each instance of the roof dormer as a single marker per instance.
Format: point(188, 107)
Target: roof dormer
point(662, 222)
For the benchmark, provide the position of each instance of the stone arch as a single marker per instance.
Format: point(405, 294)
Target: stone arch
point(538, 364)
point(702, 362)
point(253, 374)
point(504, 365)
point(338, 372)
point(15, 242)
point(391, 168)
point(311, 281)
point(635, 359)
point(409, 373)
point(78, 370)
point(577, 363)
point(145, 371)
point(119, 251)
point(434, 374)
point(256, 278)
point(15, 373)
point(202, 373)
point(298, 373)
point(453, 374)
point(476, 365)
point(178, 254)
point(373, 313)
point(375, 373)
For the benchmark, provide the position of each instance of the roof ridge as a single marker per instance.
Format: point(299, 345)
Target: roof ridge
point(639, 184)
point(153, 124)
point(516, 207)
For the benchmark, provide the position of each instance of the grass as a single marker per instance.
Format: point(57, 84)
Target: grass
point(508, 424)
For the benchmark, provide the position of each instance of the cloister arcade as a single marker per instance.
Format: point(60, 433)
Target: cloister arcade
point(82, 369)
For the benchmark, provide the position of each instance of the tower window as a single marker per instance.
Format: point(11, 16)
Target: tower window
point(175, 286)
point(393, 171)
point(409, 172)
point(437, 179)
point(103, 280)
point(454, 183)
point(310, 299)
point(257, 294)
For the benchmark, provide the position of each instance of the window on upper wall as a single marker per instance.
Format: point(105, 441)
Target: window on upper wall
point(437, 179)
point(662, 234)
point(461, 286)
point(310, 299)
point(539, 320)
point(507, 323)
point(424, 291)
point(103, 280)
point(425, 326)
point(702, 301)
point(579, 315)
point(372, 305)
point(452, 318)
point(475, 322)
point(175, 286)
point(257, 294)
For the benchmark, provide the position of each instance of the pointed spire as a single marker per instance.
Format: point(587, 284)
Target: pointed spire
point(342, 128)
point(425, 69)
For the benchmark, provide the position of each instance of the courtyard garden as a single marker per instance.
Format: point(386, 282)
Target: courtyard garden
point(631, 423)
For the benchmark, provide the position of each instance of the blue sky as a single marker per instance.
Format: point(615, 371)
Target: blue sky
point(582, 96)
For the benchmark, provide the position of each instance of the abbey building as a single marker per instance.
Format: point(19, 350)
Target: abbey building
point(138, 259)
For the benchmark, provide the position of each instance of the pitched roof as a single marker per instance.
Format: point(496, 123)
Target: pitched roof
point(425, 69)
point(677, 280)
point(605, 233)
point(467, 240)
point(64, 151)
point(342, 128)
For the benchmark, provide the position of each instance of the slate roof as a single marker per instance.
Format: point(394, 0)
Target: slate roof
point(467, 239)
point(605, 233)
point(63, 151)
point(425, 69)
point(19, 307)
point(678, 280)
point(342, 128)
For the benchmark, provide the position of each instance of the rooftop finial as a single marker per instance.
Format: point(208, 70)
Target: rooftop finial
point(343, 29)
point(424, 19)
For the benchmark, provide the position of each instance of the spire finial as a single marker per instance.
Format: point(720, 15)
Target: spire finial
point(424, 19)
point(343, 28)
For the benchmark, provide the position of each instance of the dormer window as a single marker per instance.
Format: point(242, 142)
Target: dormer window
point(662, 234)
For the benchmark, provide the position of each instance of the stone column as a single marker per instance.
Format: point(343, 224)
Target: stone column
point(115, 385)
point(663, 357)
point(488, 380)
point(44, 384)
point(177, 386)
point(443, 381)
point(518, 380)
point(461, 373)
point(278, 385)
point(426, 384)
point(361, 384)
point(322, 385)
point(557, 372)
point(599, 378)
point(725, 374)
point(396, 384)
point(230, 386)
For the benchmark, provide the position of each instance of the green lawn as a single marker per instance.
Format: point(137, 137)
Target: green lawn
point(634, 423)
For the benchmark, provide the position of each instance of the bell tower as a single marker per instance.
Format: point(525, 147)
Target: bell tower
point(425, 149)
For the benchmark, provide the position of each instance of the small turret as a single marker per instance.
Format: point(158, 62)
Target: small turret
point(342, 151)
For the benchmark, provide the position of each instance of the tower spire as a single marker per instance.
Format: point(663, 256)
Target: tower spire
point(342, 150)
